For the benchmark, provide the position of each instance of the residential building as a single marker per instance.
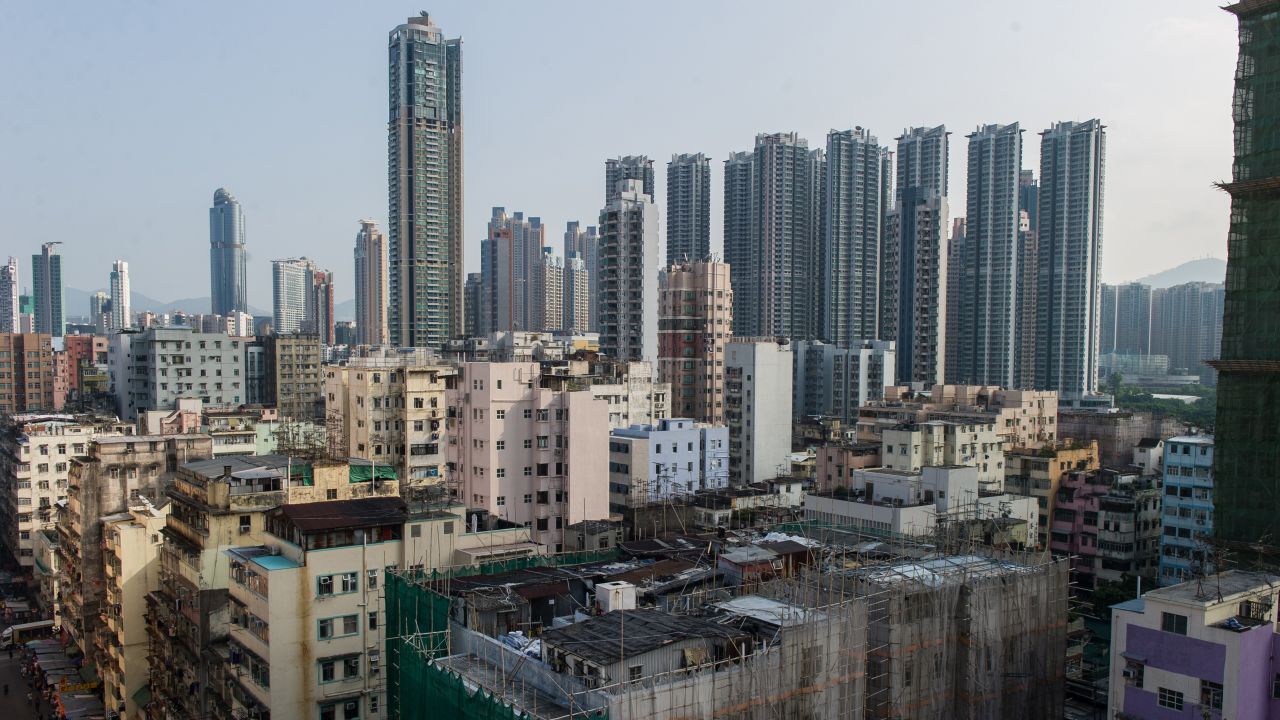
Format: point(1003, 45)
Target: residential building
point(577, 296)
point(302, 297)
point(320, 556)
point(227, 255)
point(835, 461)
point(1148, 456)
point(905, 503)
point(695, 323)
point(628, 284)
point(46, 272)
point(35, 458)
point(633, 394)
point(688, 209)
point(1187, 327)
point(87, 358)
point(1023, 418)
point(121, 312)
point(739, 170)
point(528, 454)
point(1125, 326)
point(834, 381)
point(938, 443)
point(1117, 433)
point(472, 304)
point(294, 377)
point(1198, 649)
point(390, 410)
point(1038, 473)
point(547, 308)
point(27, 366)
point(758, 397)
point(628, 167)
point(675, 457)
point(1108, 523)
point(1072, 163)
point(10, 306)
point(511, 263)
point(218, 504)
point(113, 473)
point(850, 265)
point(584, 243)
point(131, 570)
point(371, 285)
point(913, 282)
point(1188, 509)
point(424, 176)
point(320, 320)
point(151, 369)
point(100, 312)
point(983, 264)
point(773, 223)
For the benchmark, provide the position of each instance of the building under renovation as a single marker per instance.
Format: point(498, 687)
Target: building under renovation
point(857, 628)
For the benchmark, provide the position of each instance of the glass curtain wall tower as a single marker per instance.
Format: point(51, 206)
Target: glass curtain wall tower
point(227, 266)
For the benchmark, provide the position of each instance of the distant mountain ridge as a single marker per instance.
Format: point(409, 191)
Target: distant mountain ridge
point(1211, 270)
point(76, 303)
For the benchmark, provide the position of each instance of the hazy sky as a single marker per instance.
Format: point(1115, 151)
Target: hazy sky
point(119, 120)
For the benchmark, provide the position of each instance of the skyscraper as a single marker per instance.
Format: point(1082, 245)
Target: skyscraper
point(320, 307)
point(629, 275)
point(695, 321)
point(738, 244)
point(851, 259)
point(1028, 253)
point(100, 312)
point(629, 167)
point(1246, 468)
point(546, 308)
point(772, 227)
point(292, 294)
point(121, 312)
point(914, 263)
point(471, 305)
point(1124, 326)
point(371, 284)
point(1186, 327)
point(424, 175)
point(982, 308)
point(1069, 241)
point(577, 296)
point(10, 322)
point(46, 271)
point(583, 244)
point(510, 263)
point(227, 265)
point(688, 209)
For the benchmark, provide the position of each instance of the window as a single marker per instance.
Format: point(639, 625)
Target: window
point(349, 582)
point(528, 414)
point(501, 472)
point(1210, 695)
point(1275, 686)
point(372, 582)
point(326, 629)
point(332, 584)
point(528, 498)
point(1171, 699)
point(502, 500)
point(1173, 623)
point(373, 619)
point(351, 667)
point(528, 444)
point(350, 624)
point(245, 524)
point(373, 705)
point(635, 672)
point(351, 710)
point(543, 441)
point(329, 712)
point(327, 671)
point(500, 414)
point(500, 445)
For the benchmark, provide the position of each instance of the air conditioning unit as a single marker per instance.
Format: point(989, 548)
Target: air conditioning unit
point(1130, 673)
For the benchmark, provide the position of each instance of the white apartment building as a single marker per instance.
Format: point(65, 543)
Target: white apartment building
point(913, 446)
point(635, 399)
point(758, 398)
point(675, 457)
point(391, 411)
point(35, 458)
point(628, 270)
point(527, 454)
point(833, 381)
point(151, 369)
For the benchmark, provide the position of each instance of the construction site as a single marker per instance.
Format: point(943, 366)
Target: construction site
point(802, 620)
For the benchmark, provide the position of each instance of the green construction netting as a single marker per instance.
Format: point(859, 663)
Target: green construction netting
point(365, 473)
point(302, 473)
point(417, 633)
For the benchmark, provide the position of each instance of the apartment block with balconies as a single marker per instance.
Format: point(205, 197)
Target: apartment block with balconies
point(1188, 508)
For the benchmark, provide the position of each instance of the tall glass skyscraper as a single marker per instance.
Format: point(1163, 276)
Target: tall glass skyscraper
point(1069, 257)
point(46, 271)
point(424, 177)
point(982, 307)
point(227, 281)
point(688, 209)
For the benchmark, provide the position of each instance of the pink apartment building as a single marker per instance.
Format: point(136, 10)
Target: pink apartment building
point(527, 454)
